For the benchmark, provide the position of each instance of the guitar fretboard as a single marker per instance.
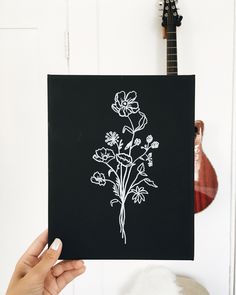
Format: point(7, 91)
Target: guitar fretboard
point(172, 67)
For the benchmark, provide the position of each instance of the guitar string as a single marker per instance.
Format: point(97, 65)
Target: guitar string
point(171, 48)
point(171, 52)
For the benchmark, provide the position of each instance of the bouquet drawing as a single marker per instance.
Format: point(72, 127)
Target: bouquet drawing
point(126, 163)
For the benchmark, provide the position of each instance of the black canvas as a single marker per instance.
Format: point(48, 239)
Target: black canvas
point(121, 166)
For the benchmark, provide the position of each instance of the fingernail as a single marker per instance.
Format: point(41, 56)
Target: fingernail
point(55, 245)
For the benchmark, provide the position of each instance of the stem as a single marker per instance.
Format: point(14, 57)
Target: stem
point(133, 146)
point(126, 196)
point(110, 181)
point(118, 147)
point(132, 125)
point(122, 221)
point(137, 183)
point(142, 154)
point(134, 180)
point(121, 180)
point(128, 177)
point(117, 168)
point(112, 169)
point(125, 180)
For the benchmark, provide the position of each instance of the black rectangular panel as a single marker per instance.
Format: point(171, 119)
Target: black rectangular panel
point(121, 165)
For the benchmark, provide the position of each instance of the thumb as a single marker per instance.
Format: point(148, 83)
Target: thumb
point(48, 260)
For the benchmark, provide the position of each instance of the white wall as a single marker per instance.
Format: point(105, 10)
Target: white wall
point(109, 37)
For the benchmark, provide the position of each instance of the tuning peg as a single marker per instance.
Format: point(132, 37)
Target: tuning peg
point(179, 21)
point(159, 5)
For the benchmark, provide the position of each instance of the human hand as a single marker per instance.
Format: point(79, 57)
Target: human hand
point(36, 272)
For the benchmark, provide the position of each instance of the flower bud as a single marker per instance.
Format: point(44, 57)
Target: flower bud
point(149, 139)
point(155, 145)
point(137, 141)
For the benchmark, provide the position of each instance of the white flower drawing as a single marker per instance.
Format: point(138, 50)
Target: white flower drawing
point(104, 155)
point(111, 138)
point(138, 194)
point(125, 104)
point(155, 145)
point(126, 172)
point(149, 160)
point(149, 139)
point(137, 141)
point(98, 178)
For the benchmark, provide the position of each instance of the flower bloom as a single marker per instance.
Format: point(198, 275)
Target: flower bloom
point(124, 159)
point(138, 195)
point(155, 145)
point(125, 104)
point(98, 178)
point(149, 160)
point(104, 155)
point(149, 139)
point(137, 141)
point(111, 138)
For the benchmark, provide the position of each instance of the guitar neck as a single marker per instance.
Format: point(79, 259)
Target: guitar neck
point(172, 66)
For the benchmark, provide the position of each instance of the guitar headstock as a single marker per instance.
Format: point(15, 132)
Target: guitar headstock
point(170, 15)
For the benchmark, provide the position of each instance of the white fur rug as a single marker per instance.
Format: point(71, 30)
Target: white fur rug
point(153, 281)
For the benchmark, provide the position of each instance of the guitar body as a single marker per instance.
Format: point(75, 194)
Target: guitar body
point(205, 178)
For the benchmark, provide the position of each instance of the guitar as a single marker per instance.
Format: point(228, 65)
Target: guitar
point(205, 178)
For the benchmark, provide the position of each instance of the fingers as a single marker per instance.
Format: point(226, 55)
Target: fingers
point(37, 246)
point(66, 277)
point(30, 258)
point(48, 260)
point(63, 266)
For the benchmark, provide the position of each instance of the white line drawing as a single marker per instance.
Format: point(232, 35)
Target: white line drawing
point(120, 161)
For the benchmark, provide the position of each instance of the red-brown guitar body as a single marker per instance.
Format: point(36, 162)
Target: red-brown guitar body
point(205, 178)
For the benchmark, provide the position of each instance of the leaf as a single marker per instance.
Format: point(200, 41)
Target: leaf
point(128, 129)
point(117, 167)
point(128, 145)
point(120, 144)
point(143, 174)
point(124, 159)
point(114, 201)
point(109, 172)
point(142, 122)
point(141, 168)
point(116, 190)
point(118, 182)
point(150, 182)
